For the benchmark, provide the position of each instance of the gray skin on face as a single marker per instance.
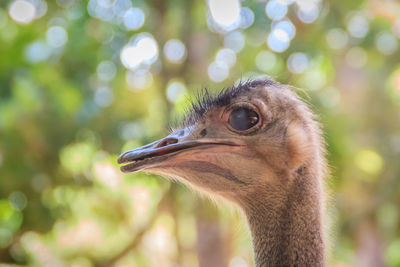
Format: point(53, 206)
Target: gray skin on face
point(273, 170)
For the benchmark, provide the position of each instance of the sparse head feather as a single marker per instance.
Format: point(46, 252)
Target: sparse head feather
point(206, 100)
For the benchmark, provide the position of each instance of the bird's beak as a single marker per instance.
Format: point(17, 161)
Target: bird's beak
point(159, 151)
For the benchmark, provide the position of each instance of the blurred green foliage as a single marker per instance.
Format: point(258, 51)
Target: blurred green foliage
point(74, 93)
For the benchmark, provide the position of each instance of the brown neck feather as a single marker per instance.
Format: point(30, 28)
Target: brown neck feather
point(287, 227)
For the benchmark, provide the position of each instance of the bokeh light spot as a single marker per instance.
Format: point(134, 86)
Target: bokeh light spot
point(131, 131)
point(235, 41)
point(103, 96)
point(175, 51)
point(287, 26)
point(369, 161)
point(139, 80)
point(176, 91)
point(276, 9)
point(22, 11)
point(386, 43)
point(278, 40)
point(134, 18)
point(358, 26)
point(226, 56)
point(106, 70)
point(218, 71)
point(56, 36)
point(226, 13)
point(298, 62)
point(314, 79)
point(142, 50)
point(18, 200)
point(265, 60)
point(246, 17)
point(337, 38)
point(37, 51)
point(308, 13)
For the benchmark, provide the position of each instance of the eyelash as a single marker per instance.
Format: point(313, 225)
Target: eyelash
point(242, 105)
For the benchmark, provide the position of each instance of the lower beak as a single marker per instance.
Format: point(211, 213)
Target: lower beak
point(159, 151)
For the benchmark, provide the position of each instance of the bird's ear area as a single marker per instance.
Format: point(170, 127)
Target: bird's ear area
point(298, 144)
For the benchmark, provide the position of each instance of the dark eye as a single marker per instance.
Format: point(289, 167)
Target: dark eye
point(243, 119)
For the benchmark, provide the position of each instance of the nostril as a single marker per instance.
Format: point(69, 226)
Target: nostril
point(167, 141)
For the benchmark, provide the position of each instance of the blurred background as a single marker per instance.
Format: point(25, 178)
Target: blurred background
point(82, 81)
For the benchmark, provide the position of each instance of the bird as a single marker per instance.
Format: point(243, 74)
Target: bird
point(259, 145)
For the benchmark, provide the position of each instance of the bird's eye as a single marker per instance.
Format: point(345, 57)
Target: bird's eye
point(243, 118)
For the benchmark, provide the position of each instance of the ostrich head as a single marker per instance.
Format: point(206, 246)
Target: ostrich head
point(249, 140)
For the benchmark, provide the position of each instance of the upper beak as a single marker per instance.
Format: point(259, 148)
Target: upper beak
point(163, 149)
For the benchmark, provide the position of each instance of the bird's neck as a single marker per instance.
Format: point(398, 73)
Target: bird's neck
point(287, 228)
